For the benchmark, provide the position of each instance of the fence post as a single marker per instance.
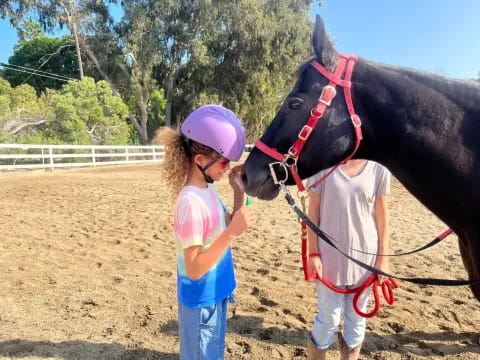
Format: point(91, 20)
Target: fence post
point(154, 153)
point(93, 156)
point(50, 153)
point(126, 154)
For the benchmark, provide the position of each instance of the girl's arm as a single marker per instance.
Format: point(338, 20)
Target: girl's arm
point(198, 262)
point(315, 264)
point(314, 215)
point(381, 220)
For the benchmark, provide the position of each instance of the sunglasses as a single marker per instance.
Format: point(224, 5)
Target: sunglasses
point(223, 162)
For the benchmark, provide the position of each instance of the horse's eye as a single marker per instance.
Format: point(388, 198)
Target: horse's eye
point(295, 104)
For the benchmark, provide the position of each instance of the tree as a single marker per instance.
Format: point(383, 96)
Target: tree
point(87, 112)
point(75, 14)
point(156, 110)
point(197, 51)
point(29, 30)
point(21, 110)
point(254, 57)
point(51, 55)
point(210, 50)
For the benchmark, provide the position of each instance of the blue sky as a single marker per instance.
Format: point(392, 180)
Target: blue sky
point(441, 36)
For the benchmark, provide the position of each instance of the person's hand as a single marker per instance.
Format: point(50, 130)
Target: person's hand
point(235, 180)
point(382, 265)
point(241, 220)
point(315, 265)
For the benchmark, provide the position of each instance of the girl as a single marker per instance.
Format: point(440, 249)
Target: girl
point(351, 206)
point(200, 154)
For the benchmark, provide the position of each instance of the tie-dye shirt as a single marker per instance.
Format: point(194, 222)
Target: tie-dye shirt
point(199, 220)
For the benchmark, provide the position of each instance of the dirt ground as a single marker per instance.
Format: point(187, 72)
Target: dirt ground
point(88, 272)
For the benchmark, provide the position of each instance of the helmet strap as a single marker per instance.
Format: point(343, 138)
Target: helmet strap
point(208, 179)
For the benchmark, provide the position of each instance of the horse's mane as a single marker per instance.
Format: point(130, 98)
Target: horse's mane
point(459, 90)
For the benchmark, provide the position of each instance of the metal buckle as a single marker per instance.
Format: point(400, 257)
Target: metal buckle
point(274, 174)
point(356, 121)
point(308, 129)
point(329, 87)
point(290, 155)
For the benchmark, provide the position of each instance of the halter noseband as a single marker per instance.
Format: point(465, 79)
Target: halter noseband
point(289, 161)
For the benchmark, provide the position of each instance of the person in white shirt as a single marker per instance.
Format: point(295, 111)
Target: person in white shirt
point(350, 205)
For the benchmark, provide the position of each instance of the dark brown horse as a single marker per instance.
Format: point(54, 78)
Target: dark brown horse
point(423, 127)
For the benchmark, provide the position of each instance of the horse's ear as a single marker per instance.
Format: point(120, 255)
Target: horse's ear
point(324, 50)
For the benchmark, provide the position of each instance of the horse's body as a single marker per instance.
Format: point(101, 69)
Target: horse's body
point(424, 128)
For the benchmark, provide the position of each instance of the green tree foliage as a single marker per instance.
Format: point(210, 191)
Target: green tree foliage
point(29, 30)
point(79, 16)
point(21, 110)
point(156, 110)
point(242, 54)
point(52, 55)
point(210, 50)
point(258, 55)
point(89, 113)
point(81, 112)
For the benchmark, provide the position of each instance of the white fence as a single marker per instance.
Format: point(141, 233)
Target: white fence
point(27, 156)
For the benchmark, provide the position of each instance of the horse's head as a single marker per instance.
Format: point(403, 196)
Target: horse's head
point(330, 141)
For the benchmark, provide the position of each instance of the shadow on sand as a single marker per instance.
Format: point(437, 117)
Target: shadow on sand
point(78, 350)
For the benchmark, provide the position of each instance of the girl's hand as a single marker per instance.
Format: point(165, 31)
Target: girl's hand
point(241, 220)
point(315, 265)
point(235, 180)
point(383, 265)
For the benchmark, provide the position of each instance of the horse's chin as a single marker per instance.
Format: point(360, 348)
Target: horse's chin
point(268, 195)
point(267, 191)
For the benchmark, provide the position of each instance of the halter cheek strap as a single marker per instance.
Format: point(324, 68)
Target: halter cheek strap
point(289, 160)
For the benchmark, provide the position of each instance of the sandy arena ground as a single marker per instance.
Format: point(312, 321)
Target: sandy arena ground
point(88, 272)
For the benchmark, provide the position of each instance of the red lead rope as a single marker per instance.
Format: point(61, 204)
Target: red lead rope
point(344, 67)
point(387, 286)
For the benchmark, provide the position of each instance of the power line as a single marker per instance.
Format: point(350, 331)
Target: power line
point(36, 72)
point(48, 59)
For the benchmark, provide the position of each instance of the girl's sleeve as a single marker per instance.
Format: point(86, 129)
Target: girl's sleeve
point(189, 224)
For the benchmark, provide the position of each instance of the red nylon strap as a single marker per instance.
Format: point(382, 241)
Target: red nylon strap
point(345, 65)
point(346, 90)
point(324, 177)
point(445, 234)
point(332, 77)
point(328, 93)
point(296, 177)
point(387, 286)
point(273, 153)
point(356, 122)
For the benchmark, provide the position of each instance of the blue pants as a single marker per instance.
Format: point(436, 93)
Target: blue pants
point(331, 305)
point(202, 331)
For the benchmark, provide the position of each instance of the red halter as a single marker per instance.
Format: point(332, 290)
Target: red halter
point(289, 160)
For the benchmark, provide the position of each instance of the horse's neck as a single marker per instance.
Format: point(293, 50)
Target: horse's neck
point(415, 123)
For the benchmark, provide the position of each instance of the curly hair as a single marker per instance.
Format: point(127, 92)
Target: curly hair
point(179, 153)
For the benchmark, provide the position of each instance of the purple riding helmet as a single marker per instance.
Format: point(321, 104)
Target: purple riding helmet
point(217, 128)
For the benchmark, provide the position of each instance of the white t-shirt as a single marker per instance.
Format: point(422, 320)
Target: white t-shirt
point(347, 214)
